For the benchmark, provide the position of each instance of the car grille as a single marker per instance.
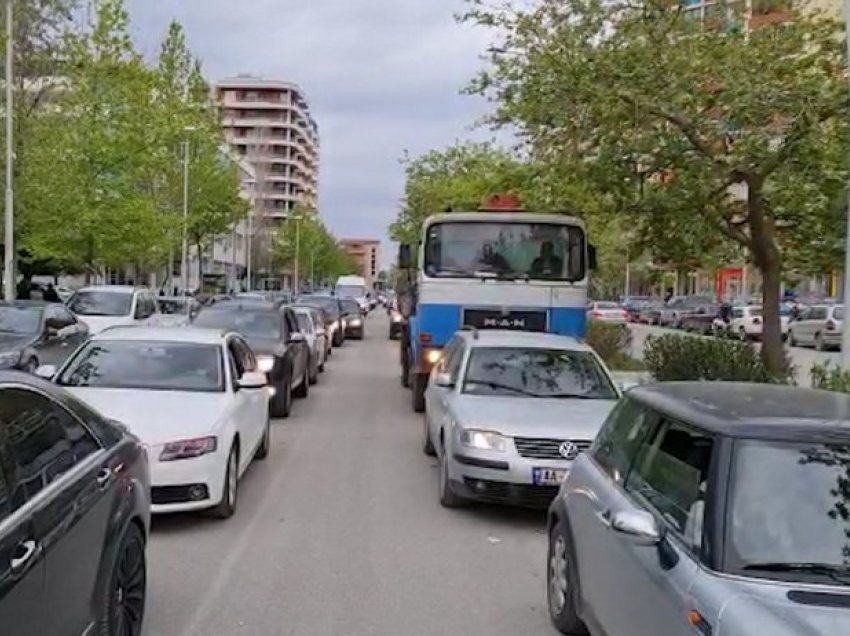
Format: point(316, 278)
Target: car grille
point(545, 448)
point(524, 495)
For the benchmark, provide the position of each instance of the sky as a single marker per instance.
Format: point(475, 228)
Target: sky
point(382, 77)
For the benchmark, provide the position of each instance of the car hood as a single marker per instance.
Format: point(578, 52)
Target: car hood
point(96, 324)
point(14, 341)
point(156, 417)
point(780, 617)
point(533, 417)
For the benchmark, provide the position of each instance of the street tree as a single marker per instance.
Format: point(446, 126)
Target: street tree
point(319, 254)
point(729, 125)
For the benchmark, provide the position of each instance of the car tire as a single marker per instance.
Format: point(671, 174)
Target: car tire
point(265, 444)
point(792, 342)
point(561, 582)
point(448, 498)
point(820, 345)
point(314, 373)
point(230, 496)
point(742, 334)
point(123, 604)
point(281, 403)
point(30, 366)
point(303, 389)
point(420, 381)
point(427, 444)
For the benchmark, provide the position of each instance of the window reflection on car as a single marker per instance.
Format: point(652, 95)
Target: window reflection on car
point(20, 320)
point(101, 303)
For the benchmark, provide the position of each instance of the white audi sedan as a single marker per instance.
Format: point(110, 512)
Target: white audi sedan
point(195, 398)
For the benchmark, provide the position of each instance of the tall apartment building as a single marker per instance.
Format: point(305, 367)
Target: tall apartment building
point(366, 253)
point(268, 122)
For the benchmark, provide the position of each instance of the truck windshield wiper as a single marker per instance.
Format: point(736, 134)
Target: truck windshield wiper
point(839, 573)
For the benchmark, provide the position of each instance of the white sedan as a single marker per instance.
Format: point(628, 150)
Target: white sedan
point(194, 397)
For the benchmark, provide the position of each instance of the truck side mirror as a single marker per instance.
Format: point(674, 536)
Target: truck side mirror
point(404, 260)
point(591, 256)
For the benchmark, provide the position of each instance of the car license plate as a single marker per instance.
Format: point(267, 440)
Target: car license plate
point(548, 476)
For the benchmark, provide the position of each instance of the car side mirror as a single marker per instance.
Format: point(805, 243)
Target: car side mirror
point(252, 380)
point(443, 380)
point(641, 526)
point(591, 256)
point(404, 256)
point(46, 371)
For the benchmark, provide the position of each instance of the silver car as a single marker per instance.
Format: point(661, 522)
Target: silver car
point(310, 325)
point(507, 413)
point(818, 326)
point(707, 508)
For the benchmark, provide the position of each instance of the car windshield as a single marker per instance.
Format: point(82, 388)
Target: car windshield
point(20, 320)
point(353, 291)
point(607, 306)
point(328, 303)
point(92, 302)
point(350, 306)
point(542, 373)
point(789, 504)
point(173, 306)
point(253, 324)
point(133, 364)
point(517, 250)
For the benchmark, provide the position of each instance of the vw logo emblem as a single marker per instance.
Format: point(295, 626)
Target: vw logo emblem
point(568, 450)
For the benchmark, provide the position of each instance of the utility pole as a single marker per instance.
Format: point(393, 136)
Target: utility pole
point(9, 236)
point(296, 281)
point(184, 266)
point(845, 331)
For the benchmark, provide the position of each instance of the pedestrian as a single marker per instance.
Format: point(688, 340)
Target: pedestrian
point(24, 289)
point(50, 294)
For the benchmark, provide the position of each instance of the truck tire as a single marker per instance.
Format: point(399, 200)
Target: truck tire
point(420, 381)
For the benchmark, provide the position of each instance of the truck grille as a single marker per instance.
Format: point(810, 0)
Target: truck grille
point(545, 448)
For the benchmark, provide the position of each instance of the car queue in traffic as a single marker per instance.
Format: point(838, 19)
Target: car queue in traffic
point(120, 404)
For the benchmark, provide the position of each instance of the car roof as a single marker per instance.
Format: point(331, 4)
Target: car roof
point(196, 335)
point(521, 339)
point(245, 304)
point(124, 289)
point(743, 409)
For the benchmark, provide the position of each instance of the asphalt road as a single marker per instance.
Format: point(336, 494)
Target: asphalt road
point(801, 358)
point(339, 531)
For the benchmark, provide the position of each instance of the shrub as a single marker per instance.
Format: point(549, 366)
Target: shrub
point(674, 357)
point(830, 377)
point(613, 343)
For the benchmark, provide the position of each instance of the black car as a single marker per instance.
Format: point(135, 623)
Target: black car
point(272, 332)
point(701, 319)
point(353, 318)
point(74, 516)
point(33, 333)
point(332, 306)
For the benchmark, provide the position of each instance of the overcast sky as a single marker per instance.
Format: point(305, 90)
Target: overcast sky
point(381, 76)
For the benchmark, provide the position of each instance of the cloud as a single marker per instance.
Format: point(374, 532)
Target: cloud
point(381, 76)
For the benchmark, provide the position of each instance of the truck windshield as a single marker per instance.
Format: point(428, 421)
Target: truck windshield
point(350, 291)
point(544, 251)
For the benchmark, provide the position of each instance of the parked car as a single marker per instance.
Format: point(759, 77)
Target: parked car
point(707, 507)
point(175, 311)
point(678, 307)
point(650, 313)
point(607, 312)
point(34, 332)
point(508, 412)
point(633, 306)
point(818, 326)
point(332, 306)
point(195, 397)
point(701, 319)
point(353, 317)
point(316, 340)
point(747, 322)
point(74, 515)
point(273, 335)
point(104, 306)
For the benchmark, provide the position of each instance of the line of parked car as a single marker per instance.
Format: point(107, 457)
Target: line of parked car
point(674, 509)
point(815, 324)
point(135, 404)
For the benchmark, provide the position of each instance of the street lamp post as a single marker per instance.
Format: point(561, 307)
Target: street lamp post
point(184, 262)
point(845, 332)
point(295, 273)
point(9, 235)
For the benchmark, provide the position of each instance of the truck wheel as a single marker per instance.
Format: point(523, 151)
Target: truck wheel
point(405, 369)
point(420, 381)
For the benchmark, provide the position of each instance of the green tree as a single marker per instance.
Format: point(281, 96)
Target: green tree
point(706, 110)
point(320, 256)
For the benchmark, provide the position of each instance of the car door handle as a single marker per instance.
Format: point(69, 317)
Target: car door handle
point(604, 517)
point(25, 552)
point(104, 477)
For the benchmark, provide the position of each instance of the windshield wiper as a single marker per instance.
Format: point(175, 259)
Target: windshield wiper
point(578, 396)
point(499, 385)
point(839, 573)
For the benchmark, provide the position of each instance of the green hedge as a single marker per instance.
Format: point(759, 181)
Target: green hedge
point(674, 357)
point(613, 343)
point(830, 377)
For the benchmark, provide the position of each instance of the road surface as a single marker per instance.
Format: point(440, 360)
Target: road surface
point(340, 531)
point(801, 358)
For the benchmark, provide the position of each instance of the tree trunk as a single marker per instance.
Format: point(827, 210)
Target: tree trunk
point(769, 262)
point(200, 269)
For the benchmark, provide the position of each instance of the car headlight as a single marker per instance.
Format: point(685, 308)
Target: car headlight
point(265, 363)
point(9, 359)
point(356, 322)
point(188, 448)
point(484, 440)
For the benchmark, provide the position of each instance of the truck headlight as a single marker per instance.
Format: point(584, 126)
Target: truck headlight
point(432, 356)
point(484, 440)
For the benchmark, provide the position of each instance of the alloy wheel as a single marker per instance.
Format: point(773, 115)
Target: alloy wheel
point(232, 477)
point(558, 585)
point(128, 594)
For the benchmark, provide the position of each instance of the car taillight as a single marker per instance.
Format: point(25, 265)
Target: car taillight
point(188, 448)
point(597, 314)
point(830, 325)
